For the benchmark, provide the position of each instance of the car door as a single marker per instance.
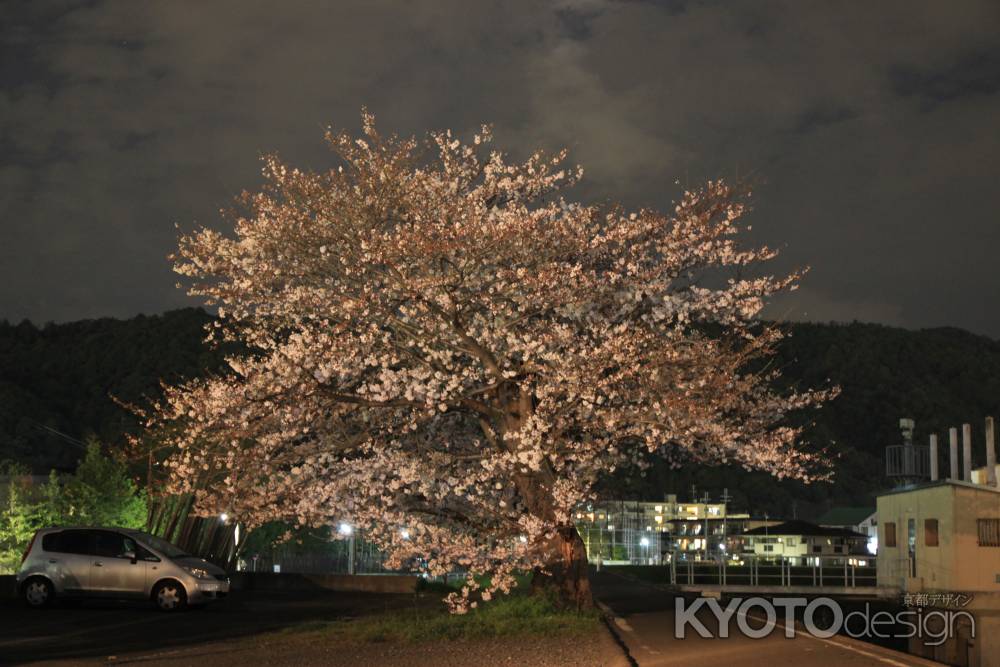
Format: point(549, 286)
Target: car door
point(68, 559)
point(115, 570)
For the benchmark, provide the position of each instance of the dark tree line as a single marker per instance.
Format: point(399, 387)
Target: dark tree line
point(57, 383)
point(940, 377)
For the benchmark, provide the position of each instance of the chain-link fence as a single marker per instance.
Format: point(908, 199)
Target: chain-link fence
point(351, 555)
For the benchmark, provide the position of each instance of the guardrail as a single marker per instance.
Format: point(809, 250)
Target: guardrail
point(780, 571)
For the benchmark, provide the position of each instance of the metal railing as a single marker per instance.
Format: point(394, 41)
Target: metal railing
point(849, 571)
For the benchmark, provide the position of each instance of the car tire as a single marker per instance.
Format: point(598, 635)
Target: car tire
point(37, 592)
point(169, 595)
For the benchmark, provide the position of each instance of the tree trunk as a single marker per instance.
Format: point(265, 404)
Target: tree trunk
point(565, 573)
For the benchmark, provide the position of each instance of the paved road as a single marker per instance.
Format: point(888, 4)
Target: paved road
point(100, 629)
point(645, 619)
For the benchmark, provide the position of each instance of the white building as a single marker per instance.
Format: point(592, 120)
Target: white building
point(804, 543)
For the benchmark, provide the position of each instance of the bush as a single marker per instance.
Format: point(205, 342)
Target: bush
point(99, 493)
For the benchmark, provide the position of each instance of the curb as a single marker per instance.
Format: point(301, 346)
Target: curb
point(610, 621)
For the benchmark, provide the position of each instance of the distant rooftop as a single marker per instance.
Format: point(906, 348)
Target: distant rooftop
point(796, 527)
point(940, 482)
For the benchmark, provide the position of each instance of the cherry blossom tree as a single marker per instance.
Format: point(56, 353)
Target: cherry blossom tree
point(446, 353)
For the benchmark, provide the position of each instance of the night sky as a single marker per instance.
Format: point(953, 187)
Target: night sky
point(871, 128)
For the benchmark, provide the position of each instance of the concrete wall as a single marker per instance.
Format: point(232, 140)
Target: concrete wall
point(958, 563)
point(975, 644)
point(364, 583)
point(976, 568)
point(934, 564)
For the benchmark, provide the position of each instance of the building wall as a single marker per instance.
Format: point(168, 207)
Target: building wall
point(933, 563)
point(868, 527)
point(958, 563)
point(976, 568)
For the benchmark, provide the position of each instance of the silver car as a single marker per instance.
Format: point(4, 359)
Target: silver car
point(115, 563)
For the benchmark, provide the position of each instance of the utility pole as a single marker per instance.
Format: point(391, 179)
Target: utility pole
point(725, 511)
point(704, 510)
point(353, 548)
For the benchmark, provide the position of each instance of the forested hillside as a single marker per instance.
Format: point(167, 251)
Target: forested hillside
point(62, 377)
point(939, 377)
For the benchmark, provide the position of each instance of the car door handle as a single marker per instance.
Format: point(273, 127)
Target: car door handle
point(53, 560)
point(97, 563)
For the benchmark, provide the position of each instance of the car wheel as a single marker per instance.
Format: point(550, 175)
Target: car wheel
point(169, 596)
point(37, 592)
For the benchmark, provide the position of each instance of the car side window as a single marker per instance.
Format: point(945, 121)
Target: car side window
point(51, 542)
point(113, 545)
point(73, 542)
point(144, 554)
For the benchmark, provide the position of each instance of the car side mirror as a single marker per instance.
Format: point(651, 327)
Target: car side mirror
point(130, 555)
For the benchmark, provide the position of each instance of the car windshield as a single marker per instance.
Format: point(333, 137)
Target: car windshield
point(161, 545)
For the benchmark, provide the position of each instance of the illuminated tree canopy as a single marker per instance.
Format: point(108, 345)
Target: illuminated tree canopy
point(440, 343)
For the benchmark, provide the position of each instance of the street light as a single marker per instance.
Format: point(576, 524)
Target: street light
point(347, 530)
point(223, 517)
point(404, 533)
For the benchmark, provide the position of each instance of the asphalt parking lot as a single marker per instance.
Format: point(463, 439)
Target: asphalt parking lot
point(100, 629)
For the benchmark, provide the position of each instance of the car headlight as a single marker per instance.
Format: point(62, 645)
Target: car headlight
point(197, 572)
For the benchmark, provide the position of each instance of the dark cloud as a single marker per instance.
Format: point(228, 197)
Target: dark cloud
point(972, 75)
point(870, 126)
point(822, 115)
point(576, 23)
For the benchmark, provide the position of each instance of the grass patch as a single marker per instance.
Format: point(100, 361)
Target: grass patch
point(507, 616)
